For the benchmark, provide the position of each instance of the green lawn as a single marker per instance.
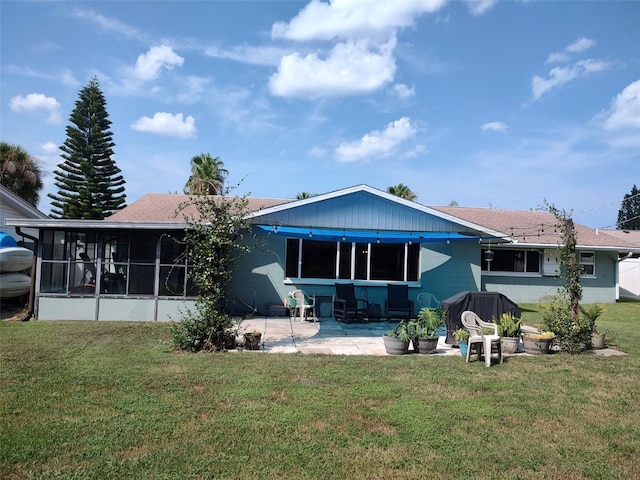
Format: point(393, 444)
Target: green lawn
point(112, 400)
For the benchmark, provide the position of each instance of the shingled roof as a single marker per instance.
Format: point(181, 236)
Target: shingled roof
point(163, 207)
point(534, 227)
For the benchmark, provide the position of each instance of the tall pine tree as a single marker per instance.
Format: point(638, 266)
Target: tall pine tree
point(629, 213)
point(90, 184)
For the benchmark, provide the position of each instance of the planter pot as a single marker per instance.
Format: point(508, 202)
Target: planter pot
point(464, 346)
point(251, 341)
point(427, 345)
point(509, 344)
point(536, 346)
point(394, 346)
point(597, 341)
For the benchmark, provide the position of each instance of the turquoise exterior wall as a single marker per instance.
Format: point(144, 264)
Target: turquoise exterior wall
point(259, 281)
point(531, 288)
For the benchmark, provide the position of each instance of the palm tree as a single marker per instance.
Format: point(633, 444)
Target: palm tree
point(207, 176)
point(303, 195)
point(20, 173)
point(402, 191)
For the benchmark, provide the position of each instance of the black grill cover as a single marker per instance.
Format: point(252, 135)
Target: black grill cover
point(484, 304)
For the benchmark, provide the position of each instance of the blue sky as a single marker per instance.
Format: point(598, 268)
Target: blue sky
point(489, 104)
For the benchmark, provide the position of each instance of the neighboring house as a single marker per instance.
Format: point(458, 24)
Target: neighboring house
point(130, 266)
point(629, 265)
point(13, 206)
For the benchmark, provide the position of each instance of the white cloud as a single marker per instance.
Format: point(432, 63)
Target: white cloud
point(624, 111)
point(350, 68)
point(264, 55)
point(49, 147)
point(167, 124)
point(108, 24)
point(580, 45)
point(192, 89)
point(35, 102)
point(377, 143)
point(403, 91)
point(149, 64)
point(316, 152)
point(64, 75)
point(561, 75)
point(478, 7)
point(347, 19)
point(494, 127)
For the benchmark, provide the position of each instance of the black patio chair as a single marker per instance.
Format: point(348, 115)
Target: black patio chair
point(398, 304)
point(346, 307)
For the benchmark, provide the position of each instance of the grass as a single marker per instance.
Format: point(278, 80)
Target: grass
point(113, 400)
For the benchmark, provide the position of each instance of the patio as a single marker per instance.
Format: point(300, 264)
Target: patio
point(330, 337)
point(327, 336)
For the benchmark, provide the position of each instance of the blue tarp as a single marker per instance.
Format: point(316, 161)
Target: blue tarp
point(363, 236)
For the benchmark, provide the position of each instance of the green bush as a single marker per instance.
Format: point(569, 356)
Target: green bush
point(572, 337)
point(508, 325)
point(206, 329)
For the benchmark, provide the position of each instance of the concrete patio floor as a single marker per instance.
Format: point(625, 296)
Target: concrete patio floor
point(328, 336)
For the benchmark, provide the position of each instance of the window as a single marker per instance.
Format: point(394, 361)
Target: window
point(523, 261)
point(131, 263)
point(588, 262)
point(68, 262)
point(345, 260)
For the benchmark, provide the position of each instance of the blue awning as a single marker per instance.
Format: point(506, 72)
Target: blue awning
point(363, 236)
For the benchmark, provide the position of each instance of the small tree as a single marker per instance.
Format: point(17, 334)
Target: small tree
point(89, 183)
point(215, 239)
point(562, 315)
point(20, 173)
point(629, 213)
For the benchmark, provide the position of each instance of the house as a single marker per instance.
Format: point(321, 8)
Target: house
point(629, 265)
point(13, 206)
point(131, 266)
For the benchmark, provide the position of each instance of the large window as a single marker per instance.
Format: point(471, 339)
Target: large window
point(508, 260)
point(130, 263)
point(346, 260)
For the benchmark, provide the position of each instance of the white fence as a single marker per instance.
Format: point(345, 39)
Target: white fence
point(630, 278)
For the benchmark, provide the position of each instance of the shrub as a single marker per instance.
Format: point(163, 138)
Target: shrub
point(572, 337)
point(508, 325)
point(205, 329)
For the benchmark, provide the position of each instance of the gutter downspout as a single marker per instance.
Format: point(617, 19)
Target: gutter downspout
point(32, 290)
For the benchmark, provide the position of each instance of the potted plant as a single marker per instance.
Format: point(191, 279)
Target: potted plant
point(461, 336)
point(591, 313)
point(509, 331)
point(252, 340)
point(428, 322)
point(396, 341)
point(537, 343)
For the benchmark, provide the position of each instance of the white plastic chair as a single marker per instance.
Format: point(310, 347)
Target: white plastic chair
point(474, 324)
point(304, 304)
point(428, 300)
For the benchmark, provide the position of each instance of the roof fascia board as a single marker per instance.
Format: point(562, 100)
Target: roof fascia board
point(19, 204)
point(94, 224)
point(551, 246)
